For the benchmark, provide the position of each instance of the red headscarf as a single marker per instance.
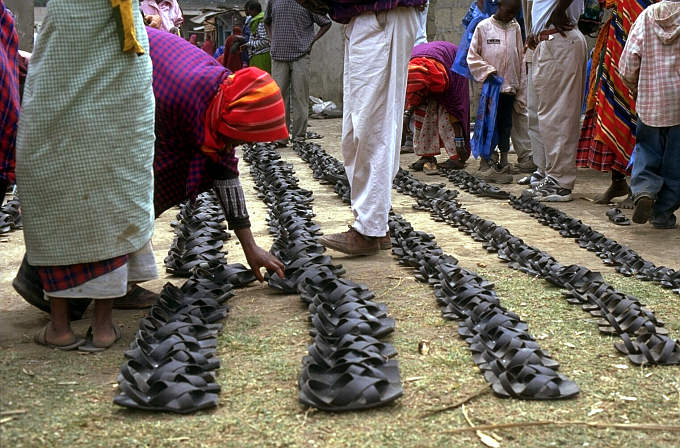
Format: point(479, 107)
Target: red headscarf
point(248, 107)
point(233, 60)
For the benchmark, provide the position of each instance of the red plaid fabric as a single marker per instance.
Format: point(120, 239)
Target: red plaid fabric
point(58, 278)
point(593, 153)
point(9, 94)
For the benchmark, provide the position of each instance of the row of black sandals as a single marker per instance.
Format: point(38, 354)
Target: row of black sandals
point(348, 366)
point(625, 260)
point(10, 216)
point(171, 364)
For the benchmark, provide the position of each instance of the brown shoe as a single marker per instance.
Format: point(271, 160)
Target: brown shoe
point(136, 299)
point(351, 243)
point(385, 242)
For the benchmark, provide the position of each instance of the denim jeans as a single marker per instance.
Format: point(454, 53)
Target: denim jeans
point(656, 170)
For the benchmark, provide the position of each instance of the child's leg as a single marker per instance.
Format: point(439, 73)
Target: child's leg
point(504, 125)
point(646, 180)
point(668, 197)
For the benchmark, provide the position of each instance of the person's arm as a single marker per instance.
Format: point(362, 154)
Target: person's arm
point(521, 94)
point(230, 195)
point(629, 63)
point(559, 17)
point(268, 19)
point(324, 25)
point(479, 68)
point(259, 40)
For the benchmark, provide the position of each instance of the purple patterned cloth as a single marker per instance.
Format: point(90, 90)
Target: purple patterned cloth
point(343, 11)
point(185, 81)
point(456, 97)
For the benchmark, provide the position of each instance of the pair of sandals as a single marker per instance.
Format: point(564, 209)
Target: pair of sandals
point(348, 367)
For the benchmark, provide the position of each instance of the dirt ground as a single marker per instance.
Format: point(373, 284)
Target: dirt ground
point(51, 398)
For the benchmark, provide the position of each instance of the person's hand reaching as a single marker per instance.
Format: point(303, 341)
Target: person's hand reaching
point(259, 258)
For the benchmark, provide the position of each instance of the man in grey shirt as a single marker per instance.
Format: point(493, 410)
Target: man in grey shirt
point(291, 29)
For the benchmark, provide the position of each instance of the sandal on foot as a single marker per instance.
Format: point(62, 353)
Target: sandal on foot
point(89, 345)
point(40, 338)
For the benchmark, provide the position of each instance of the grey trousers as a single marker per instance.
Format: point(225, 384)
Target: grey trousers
point(293, 80)
point(555, 96)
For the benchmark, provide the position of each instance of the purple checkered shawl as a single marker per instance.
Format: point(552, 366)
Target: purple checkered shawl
point(9, 94)
point(343, 11)
point(185, 80)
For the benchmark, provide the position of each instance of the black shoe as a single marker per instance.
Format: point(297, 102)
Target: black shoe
point(644, 205)
point(27, 283)
point(420, 163)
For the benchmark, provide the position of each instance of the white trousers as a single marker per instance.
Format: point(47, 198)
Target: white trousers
point(377, 51)
point(421, 37)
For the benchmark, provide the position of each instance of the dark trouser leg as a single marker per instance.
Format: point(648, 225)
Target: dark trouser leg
point(649, 157)
point(504, 124)
point(668, 197)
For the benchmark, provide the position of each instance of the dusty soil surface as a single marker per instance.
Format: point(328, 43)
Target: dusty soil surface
point(67, 396)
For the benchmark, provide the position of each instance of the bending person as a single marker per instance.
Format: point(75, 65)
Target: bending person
point(202, 112)
point(440, 102)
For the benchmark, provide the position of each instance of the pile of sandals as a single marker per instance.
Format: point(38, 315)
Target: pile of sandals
point(620, 314)
point(10, 216)
point(348, 367)
point(171, 363)
point(510, 358)
point(200, 231)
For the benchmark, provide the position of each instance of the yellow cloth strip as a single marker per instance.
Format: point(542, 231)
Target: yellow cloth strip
point(129, 41)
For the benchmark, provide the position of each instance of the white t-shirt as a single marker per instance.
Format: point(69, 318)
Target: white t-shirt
point(541, 11)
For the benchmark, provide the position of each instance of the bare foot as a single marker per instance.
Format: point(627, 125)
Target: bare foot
point(616, 189)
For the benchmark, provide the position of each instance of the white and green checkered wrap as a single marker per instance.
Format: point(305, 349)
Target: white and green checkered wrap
point(86, 139)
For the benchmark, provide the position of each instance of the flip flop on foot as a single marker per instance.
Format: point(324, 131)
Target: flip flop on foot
point(40, 338)
point(89, 345)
